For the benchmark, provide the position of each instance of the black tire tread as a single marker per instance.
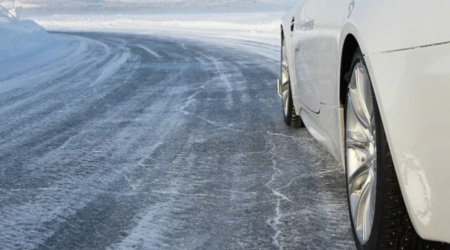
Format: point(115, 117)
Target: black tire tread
point(296, 121)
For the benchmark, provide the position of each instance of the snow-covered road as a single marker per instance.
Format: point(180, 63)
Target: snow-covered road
point(141, 142)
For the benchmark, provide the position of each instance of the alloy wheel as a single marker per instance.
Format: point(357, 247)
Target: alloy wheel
point(361, 152)
point(285, 81)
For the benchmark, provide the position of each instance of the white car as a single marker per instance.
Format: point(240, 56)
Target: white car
point(370, 80)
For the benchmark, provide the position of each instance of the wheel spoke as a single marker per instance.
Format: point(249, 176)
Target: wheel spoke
point(285, 101)
point(369, 206)
point(284, 74)
point(356, 109)
point(284, 65)
point(362, 206)
point(358, 178)
point(365, 93)
point(364, 147)
point(355, 141)
point(358, 129)
point(359, 96)
point(365, 214)
point(359, 156)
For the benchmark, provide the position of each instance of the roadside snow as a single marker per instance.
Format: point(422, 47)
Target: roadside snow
point(263, 26)
point(258, 32)
point(155, 6)
point(20, 38)
point(26, 46)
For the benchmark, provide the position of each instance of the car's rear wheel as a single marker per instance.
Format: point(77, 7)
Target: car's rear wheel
point(378, 214)
point(290, 117)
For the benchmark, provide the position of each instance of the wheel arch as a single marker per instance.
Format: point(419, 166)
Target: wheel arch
point(350, 45)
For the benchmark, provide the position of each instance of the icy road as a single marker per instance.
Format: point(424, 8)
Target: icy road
point(140, 142)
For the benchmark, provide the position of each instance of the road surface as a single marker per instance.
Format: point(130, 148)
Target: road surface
point(141, 142)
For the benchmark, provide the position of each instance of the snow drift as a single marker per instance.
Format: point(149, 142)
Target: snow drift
point(263, 27)
point(20, 38)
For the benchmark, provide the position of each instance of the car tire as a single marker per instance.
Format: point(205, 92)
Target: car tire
point(290, 116)
point(391, 226)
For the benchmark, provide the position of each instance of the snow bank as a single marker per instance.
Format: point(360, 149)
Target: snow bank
point(157, 6)
point(20, 38)
point(238, 20)
point(255, 20)
point(263, 27)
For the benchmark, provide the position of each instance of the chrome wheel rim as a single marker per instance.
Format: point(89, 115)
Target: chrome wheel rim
point(285, 92)
point(361, 152)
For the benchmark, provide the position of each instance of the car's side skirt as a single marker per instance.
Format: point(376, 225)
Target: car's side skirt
point(327, 127)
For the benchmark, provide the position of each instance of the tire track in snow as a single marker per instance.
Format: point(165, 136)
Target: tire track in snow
point(111, 68)
point(151, 52)
point(45, 206)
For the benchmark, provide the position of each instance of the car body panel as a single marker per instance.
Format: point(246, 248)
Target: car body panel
point(323, 128)
point(305, 48)
point(286, 22)
point(387, 25)
point(329, 21)
point(412, 88)
point(405, 45)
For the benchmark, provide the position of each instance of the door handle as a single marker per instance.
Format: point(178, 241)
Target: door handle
point(350, 8)
point(293, 24)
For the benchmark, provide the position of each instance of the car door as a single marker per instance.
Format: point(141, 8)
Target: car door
point(329, 21)
point(306, 56)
